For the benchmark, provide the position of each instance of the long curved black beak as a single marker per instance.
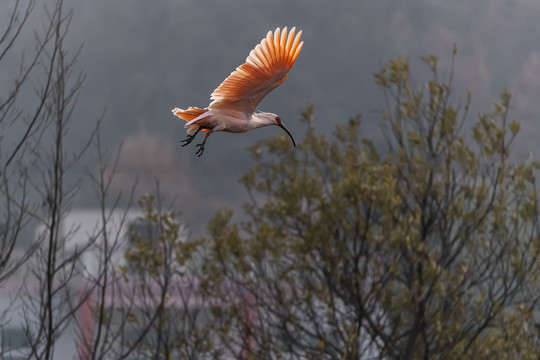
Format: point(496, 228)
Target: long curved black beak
point(288, 132)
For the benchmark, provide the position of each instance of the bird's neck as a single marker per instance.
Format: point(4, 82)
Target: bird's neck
point(261, 119)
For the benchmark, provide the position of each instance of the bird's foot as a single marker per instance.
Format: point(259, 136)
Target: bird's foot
point(188, 140)
point(201, 149)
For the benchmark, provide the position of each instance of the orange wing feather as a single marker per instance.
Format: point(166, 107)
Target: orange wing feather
point(265, 68)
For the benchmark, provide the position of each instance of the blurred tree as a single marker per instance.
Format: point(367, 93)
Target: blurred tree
point(49, 271)
point(424, 248)
point(171, 318)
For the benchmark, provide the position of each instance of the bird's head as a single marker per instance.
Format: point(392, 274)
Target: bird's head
point(281, 125)
point(261, 119)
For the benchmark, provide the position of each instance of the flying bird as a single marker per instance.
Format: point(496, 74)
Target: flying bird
point(234, 102)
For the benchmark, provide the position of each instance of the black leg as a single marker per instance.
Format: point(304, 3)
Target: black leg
point(190, 138)
point(201, 145)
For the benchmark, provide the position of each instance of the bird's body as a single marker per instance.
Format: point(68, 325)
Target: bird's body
point(229, 120)
point(234, 102)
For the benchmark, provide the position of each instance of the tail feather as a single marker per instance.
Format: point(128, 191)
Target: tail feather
point(192, 128)
point(188, 115)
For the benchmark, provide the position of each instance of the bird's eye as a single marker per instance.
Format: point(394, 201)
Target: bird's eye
point(278, 119)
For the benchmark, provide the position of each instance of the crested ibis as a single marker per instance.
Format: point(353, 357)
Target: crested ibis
point(234, 102)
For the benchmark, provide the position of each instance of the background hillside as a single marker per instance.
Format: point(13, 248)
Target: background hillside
point(143, 58)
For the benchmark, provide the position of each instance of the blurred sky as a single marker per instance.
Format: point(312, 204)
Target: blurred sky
point(142, 58)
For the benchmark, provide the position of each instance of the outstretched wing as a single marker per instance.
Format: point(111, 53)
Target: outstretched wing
point(265, 69)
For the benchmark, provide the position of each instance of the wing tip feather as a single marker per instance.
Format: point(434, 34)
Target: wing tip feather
point(274, 54)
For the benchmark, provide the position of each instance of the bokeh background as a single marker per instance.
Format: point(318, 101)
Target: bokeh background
point(143, 58)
